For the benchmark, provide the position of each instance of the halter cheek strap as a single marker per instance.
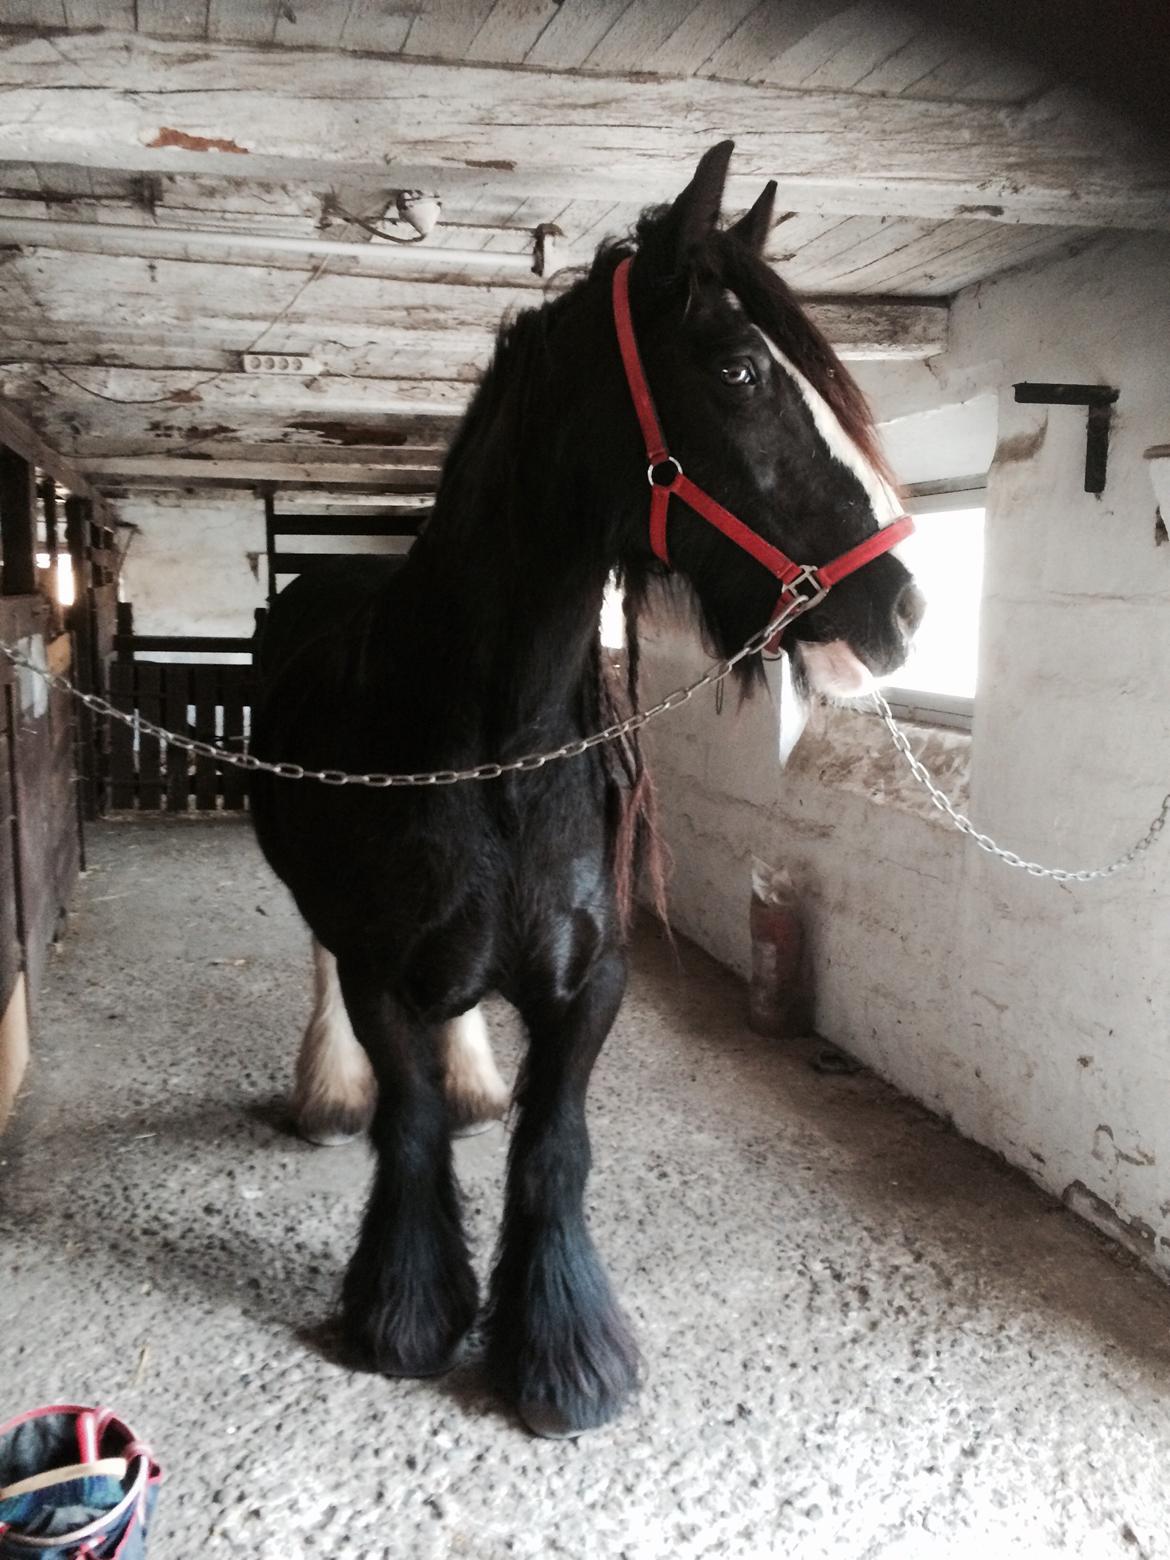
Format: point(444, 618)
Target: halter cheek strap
point(803, 583)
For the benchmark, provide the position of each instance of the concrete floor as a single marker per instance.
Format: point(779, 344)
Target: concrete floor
point(864, 1337)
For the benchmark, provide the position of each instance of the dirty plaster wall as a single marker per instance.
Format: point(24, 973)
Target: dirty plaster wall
point(1036, 1016)
point(196, 562)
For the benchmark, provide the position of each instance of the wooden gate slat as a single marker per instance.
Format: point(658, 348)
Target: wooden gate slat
point(150, 781)
point(176, 698)
point(186, 697)
point(236, 687)
point(120, 748)
point(206, 681)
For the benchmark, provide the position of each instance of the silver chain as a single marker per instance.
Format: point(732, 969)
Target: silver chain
point(985, 842)
point(530, 761)
point(714, 675)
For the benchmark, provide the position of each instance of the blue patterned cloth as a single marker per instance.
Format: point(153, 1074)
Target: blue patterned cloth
point(100, 1516)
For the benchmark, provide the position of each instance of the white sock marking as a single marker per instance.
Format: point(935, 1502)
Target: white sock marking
point(334, 1076)
point(471, 1079)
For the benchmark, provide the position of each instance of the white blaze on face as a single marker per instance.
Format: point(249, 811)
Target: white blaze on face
point(833, 668)
point(882, 499)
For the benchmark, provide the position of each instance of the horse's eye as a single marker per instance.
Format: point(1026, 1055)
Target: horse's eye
point(738, 372)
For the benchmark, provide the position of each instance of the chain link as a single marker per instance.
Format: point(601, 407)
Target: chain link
point(712, 677)
point(986, 843)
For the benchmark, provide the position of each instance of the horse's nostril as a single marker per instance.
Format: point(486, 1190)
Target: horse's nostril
point(910, 607)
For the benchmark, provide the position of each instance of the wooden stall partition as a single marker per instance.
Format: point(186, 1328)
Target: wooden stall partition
point(41, 746)
point(40, 847)
point(203, 698)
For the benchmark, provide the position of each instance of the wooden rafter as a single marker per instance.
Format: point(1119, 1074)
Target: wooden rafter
point(124, 101)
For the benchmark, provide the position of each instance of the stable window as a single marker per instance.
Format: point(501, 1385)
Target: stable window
point(945, 554)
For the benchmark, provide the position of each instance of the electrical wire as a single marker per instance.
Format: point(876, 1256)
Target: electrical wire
point(187, 390)
point(369, 227)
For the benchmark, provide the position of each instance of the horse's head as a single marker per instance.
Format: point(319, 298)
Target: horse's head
point(761, 414)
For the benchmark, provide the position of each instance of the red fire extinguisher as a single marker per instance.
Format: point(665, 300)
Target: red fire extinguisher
point(777, 997)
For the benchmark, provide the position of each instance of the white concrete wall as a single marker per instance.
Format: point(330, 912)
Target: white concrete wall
point(197, 565)
point(196, 562)
point(1036, 1016)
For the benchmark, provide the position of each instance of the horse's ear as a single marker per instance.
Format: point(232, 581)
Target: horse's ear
point(692, 218)
point(754, 226)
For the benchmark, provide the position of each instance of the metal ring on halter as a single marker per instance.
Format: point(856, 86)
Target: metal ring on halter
point(657, 465)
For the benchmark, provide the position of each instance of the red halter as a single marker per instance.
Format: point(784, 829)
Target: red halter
point(806, 583)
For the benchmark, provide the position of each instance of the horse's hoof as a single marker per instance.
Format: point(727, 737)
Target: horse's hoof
point(423, 1372)
point(324, 1139)
point(470, 1129)
point(331, 1129)
point(545, 1422)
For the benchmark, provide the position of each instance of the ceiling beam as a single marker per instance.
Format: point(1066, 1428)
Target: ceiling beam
point(170, 331)
point(110, 100)
point(23, 438)
point(187, 471)
point(141, 390)
point(419, 460)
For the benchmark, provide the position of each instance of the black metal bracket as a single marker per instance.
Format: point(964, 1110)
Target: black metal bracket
point(1099, 399)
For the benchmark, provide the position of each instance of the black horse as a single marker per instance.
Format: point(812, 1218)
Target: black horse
point(484, 646)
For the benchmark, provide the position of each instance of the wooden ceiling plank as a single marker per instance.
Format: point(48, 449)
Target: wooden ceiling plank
point(832, 273)
point(763, 38)
point(65, 181)
point(793, 230)
point(126, 289)
point(1008, 81)
point(445, 29)
point(117, 15)
point(428, 356)
point(838, 239)
point(812, 52)
point(934, 256)
point(698, 35)
point(340, 317)
point(377, 26)
point(172, 18)
point(241, 21)
point(34, 13)
point(877, 29)
point(178, 471)
point(573, 32)
point(990, 255)
point(636, 36)
point(114, 96)
point(416, 458)
point(951, 78)
point(21, 178)
point(140, 389)
point(316, 26)
point(510, 30)
point(895, 74)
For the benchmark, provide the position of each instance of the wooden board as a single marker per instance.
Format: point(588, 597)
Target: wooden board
point(124, 101)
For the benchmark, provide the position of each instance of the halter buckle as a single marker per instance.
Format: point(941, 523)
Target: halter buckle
point(807, 587)
point(658, 465)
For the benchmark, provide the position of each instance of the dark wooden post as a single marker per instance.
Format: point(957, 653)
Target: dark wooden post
point(78, 513)
point(124, 641)
point(270, 539)
point(49, 510)
point(18, 524)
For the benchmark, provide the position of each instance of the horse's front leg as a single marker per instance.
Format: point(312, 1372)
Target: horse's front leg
point(410, 1293)
point(559, 1344)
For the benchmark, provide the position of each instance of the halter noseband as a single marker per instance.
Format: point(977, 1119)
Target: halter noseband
point(801, 584)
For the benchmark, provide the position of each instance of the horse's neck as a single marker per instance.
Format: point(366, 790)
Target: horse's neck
point(507, 600)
